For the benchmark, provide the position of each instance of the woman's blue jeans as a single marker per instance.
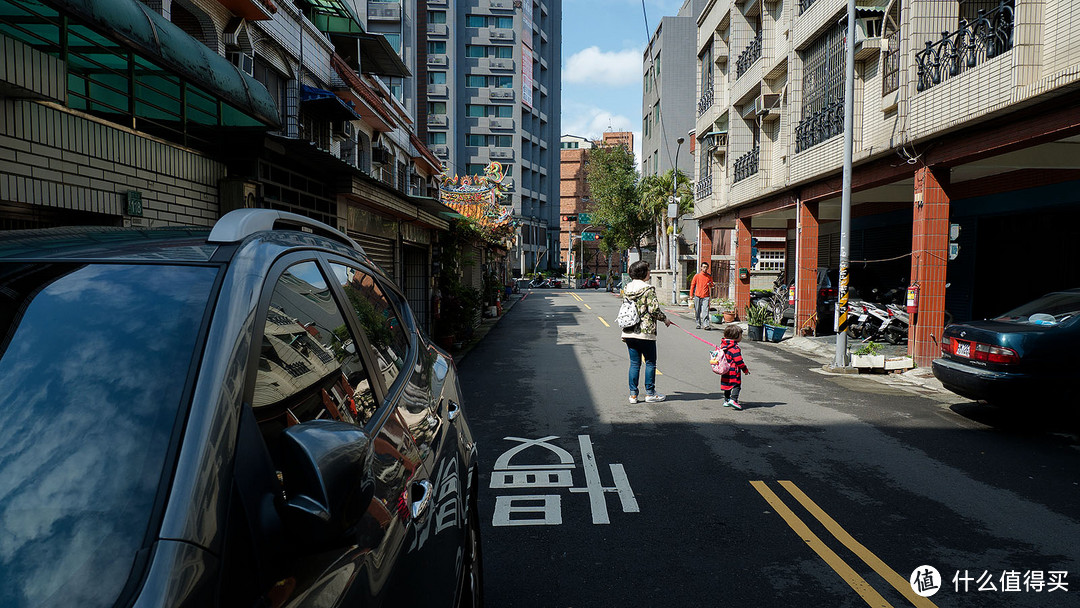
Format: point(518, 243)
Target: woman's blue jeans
point(638, 349)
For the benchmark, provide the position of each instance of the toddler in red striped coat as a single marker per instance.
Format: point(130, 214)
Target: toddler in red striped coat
point(731, 380)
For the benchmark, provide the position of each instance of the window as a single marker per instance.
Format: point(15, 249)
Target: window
point(505, 23)
point(476, 139)
point(890, 58)
point(475, 111)
point(475, 21)
point(823, 89)
point(502, 111)
point(475, 50)
point(436, 139)
point(503, 82)
point(378, 319)
point(475, 80)
point(394, 40)
point(309, 367)
point(504, 52)
point(503, 141)
point(436, 77)
point(436, 48)
point(770, 260)
point(436, 16)
point(436, 107)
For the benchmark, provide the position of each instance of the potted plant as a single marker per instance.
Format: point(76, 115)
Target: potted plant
point(774, 331)
point(755, 321)
point(725, 308)
point(868, 355)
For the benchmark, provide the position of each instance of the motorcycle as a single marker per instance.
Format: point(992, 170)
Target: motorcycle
point(539, 282)
point(896, 331)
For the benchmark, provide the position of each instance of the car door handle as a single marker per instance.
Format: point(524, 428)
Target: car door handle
point(420, 506)
point(453, 408)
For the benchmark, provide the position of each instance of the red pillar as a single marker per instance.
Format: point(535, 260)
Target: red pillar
point(806, 273)
point(704, 254)
point(929, 252)
point(742, 260)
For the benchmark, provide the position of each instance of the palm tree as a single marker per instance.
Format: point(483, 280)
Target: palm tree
point(655, 192)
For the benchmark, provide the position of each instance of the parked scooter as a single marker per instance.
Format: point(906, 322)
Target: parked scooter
point(539, 282)
point(896, 331)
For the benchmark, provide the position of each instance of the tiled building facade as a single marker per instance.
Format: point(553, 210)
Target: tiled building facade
point(586, 256)
point(977, 131)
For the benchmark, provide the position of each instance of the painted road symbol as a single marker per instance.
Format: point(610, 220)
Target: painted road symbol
point(546, 509)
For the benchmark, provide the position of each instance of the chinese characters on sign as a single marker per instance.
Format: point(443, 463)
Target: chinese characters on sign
point(1037, 581)
point(537, 509)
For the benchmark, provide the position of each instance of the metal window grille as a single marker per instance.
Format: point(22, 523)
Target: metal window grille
point(771, 260)
point(747, 165)
point(823, 89)
point(749, 56)
point(890, 70)
point(984, 31)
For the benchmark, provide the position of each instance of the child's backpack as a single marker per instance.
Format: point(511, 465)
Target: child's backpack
point(719, 362)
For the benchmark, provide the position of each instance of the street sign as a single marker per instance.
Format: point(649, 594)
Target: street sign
point(588, 236)
point(954, 250)
point(753, 251)
point(584, 218)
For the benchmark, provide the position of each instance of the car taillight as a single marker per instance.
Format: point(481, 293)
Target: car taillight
point(826, 293)
point(999, 354)
point(946, 346)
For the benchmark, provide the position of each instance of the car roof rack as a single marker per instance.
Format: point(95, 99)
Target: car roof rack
point(237, 225)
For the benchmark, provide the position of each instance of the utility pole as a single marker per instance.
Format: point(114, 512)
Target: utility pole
point(841, 359)
point(673, 213)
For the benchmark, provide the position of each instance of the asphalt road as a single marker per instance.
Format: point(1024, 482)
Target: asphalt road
point(827, 490)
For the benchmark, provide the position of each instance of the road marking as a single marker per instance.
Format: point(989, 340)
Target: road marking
point(900, 583)
point(576, 297)
point(603, 321)
point(852, 578)
point(586, 305)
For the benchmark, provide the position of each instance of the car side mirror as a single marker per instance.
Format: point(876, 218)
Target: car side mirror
point(325, 465)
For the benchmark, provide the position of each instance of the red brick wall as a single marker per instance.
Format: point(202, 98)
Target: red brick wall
point(806, 273)
point(742, 256)
point(929, 253)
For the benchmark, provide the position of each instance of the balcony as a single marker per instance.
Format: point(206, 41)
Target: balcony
point(501, 5)
point(500, 34)
point(438, 60)
point(706, 100)
point(384, 11)
point(821, 125)
point(500, 64)
point(501, 154)
point(500, 123)
point(749, 56)
point(703, 188)
point(442, 151)
point(437, 120)
point(500, 94)
point(804, 5)
point(437, 90)
point(438, 29)
point(747, 165)
point(988, 36)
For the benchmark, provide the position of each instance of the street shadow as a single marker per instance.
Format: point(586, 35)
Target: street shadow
point(753, 405)
point(1023, 419)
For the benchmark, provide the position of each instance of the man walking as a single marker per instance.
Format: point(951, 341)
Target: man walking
point(700, 288)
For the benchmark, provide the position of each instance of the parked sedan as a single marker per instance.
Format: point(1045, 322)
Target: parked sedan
point(246, 416)
point(1024, 356)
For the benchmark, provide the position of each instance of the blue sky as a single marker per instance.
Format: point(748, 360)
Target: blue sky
point(602, 46)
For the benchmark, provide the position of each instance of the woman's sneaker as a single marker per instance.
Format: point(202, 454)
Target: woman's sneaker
point(654, 398)
point(633, 398)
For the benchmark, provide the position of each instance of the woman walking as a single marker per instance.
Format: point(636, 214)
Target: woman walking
point(641, 338)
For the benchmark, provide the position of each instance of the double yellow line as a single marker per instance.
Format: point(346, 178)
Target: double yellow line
point(578, 298)
point(852, 578)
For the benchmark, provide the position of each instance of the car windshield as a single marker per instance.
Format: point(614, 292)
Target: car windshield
point(1048, 310)
point(92, 371)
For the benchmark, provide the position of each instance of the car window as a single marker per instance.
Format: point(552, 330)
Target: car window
point(378, 318)
point(1050, 309)
point(92, 380)
point(309, 366)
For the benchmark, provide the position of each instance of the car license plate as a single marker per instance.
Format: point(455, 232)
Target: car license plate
point(862, 318)
point(963, 349)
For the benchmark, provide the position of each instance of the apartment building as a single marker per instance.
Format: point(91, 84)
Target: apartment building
point(583, 253)
point(174, 112)
point(492, 94)
point(966, 149)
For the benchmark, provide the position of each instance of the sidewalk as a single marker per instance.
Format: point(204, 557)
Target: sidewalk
point(486, 325)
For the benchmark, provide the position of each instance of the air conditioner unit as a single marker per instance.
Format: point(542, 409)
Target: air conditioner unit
point(235, 193)
point(868, 37)
point(344, 129)
point(230, 35)
point(380, 156)
point(766, 106)
point(245, 62)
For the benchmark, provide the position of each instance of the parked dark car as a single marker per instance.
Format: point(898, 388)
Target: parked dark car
point(1023, 356)
point(828, 281)
point(243, 416)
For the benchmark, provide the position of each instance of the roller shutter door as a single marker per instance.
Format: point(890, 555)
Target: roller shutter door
point(415, 269)
point(380, 250)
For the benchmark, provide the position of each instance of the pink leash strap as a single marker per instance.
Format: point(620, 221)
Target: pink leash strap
point(695, 337)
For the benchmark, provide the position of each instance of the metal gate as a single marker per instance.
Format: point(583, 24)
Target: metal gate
point(415, 281)
point(380, 250)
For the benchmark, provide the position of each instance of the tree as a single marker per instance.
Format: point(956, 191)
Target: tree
point(655, 192)
point(613, 181)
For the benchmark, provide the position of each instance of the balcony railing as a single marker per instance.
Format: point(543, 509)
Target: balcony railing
point(989, 35)
point(747, 165)
point(805, 4)
point(821, 125)
point(706, 100)
point(703, 188)
point(749, 55)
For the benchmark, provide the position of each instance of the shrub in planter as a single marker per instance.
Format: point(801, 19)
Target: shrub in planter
point(755, 321)
point(774, 332)
point(868, 355)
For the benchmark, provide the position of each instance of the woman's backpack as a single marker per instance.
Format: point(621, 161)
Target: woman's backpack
point(628, 315)
point(718, 360)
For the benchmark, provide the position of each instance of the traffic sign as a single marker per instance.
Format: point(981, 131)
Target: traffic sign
point(588, 236)
point(584, 218)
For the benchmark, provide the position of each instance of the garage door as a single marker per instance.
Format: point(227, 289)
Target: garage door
point(380, 250)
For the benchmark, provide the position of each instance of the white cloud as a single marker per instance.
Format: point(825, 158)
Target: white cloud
point(591, 122)
point(606, 68)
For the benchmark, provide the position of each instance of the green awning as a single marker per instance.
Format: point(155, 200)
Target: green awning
point(136, 26)
point(335, 16)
